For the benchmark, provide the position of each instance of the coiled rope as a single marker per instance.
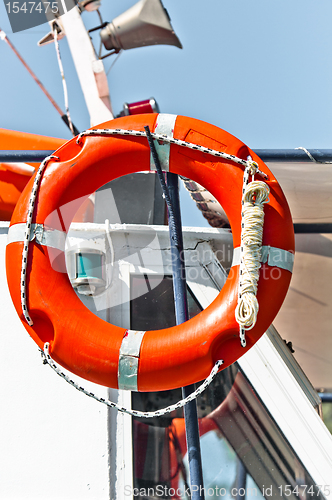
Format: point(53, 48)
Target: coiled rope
point(255, 195)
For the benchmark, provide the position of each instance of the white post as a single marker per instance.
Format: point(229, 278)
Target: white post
point(90, 70)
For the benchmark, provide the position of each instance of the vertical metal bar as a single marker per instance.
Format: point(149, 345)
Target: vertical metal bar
point(241, 480)
point(171, 193)
point(181, 314)
point(179, 271)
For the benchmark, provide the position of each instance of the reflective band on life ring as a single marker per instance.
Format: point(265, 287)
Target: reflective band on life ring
point(164, 125)
point(275, 257)
point(113, 356)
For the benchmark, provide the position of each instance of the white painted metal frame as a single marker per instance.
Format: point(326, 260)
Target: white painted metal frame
point(124, 448)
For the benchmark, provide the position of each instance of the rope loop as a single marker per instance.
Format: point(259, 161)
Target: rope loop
point(27, 235)
point(312, 158)
point(135, 413)
point(252, 167)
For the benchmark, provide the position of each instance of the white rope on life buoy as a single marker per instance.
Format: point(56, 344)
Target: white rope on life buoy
point(255, 195)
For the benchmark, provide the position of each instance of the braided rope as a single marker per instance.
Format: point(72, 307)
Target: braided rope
point(312, 158)
point(254, 196)
point(171, 140)
point(197, 192)
point(135, 413)
point(246, 291)
point(27, 235)
point(251, 166)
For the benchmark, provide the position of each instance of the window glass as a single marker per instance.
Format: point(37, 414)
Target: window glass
point(244, 454)
point(155, 309)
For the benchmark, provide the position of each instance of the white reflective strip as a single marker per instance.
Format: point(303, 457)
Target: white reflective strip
point(278, 258)
point(47, 237)
point(128, 359)
point(275, 257)
point(165, 126)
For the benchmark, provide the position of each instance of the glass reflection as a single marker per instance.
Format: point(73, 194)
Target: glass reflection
point(244, 453)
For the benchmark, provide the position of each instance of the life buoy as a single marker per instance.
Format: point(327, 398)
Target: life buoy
point(164, 359)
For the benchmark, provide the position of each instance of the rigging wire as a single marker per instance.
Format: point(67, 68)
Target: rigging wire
point(100, 43)
point(64, 84)
point(115, 60)
point(4, 37)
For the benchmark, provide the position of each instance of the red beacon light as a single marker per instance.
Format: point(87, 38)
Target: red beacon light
point(140, 107)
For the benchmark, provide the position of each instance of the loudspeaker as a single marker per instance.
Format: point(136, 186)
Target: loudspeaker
point(146, 23)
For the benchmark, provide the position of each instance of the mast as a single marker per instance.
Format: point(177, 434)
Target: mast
point(90, 70)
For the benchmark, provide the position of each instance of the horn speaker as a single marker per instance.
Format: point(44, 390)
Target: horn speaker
point(146, 23)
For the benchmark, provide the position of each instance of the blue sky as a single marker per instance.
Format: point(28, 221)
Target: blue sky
point(260, 69)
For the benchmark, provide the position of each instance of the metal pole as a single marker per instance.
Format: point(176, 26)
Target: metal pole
point(326, 397)
point(294, 155)
point(30, 156)
point(241, 481)
point(267, 155)
point(171, 193)
point(181, 314)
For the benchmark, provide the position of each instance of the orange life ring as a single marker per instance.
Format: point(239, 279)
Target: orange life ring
point(178, 356)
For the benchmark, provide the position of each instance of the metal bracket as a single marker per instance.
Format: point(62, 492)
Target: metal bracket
point(128, 359)
point(165, 126)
